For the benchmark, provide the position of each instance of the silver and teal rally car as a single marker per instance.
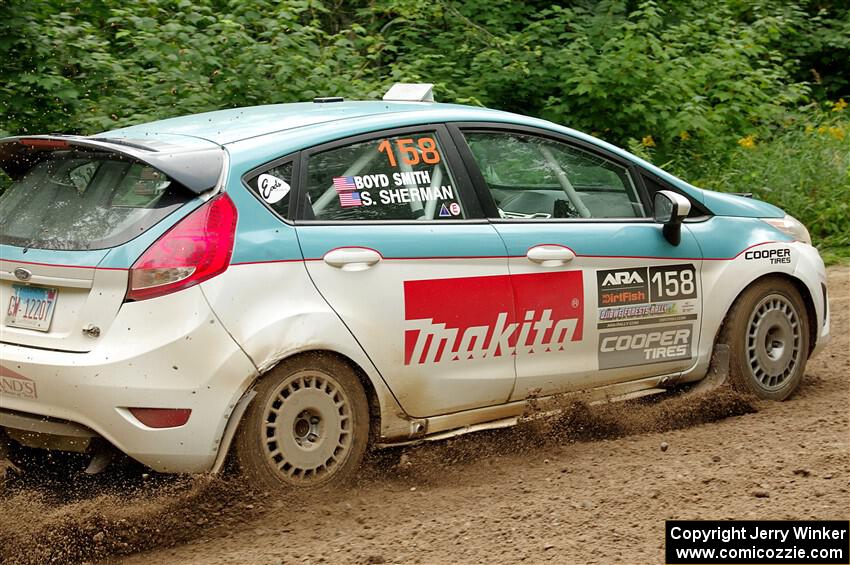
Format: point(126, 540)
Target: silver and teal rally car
point(290, 284)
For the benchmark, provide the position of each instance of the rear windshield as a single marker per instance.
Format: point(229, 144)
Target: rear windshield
point(75, 201)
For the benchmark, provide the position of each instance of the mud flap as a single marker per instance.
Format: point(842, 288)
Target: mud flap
point(718, 371)
point(230, 430)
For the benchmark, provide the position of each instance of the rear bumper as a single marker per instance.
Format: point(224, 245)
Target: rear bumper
point(168, 352)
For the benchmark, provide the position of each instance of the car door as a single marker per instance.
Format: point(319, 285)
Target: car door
point(394, 239)
point(606, 297)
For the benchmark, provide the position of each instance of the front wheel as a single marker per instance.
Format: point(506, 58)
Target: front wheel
point(307, 427)
point(767, 331)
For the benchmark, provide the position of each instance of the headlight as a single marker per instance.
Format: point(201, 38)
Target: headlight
point(791, 226)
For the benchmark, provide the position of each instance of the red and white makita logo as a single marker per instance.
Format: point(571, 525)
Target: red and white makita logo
point(490, 316)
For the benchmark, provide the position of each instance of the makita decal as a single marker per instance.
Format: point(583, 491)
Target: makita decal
point(642, 346)
point(15, 384)
point(470, 318)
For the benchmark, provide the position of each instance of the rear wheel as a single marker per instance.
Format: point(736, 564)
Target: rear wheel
point(307, 427)
point(767, 331)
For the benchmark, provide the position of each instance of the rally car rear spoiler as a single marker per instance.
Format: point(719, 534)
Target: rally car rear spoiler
point(196, 169)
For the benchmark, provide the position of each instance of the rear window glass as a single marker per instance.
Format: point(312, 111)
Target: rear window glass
point(5, 182)
point(77, 201)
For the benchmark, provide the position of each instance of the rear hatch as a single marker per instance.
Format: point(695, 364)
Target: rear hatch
point(71, 202)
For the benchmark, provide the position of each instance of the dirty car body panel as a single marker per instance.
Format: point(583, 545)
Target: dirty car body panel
point(461, 260)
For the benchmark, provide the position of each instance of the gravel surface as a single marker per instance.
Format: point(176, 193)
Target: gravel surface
point(591, 486)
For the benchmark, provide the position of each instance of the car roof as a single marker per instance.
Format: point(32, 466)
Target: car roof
point(258, 134)
point(236, 124)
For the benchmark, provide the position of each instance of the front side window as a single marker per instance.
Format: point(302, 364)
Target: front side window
point(401, 177)
point(532, 177)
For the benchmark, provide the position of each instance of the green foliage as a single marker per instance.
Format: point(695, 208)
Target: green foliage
point(151, 59)
point(802, 166)
point(679, 81)
point(625, 76)
point(622, 69)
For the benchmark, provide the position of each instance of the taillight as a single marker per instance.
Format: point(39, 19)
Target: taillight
point(162, 417)
point(194, 250)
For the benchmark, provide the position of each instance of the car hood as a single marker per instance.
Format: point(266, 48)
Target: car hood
point(723, 204)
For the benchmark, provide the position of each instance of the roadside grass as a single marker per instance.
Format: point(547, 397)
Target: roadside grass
point(801, 165)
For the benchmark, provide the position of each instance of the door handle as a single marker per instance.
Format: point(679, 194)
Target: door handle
point(550, 255)
point(352, 258)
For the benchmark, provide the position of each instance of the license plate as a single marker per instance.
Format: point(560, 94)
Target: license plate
point(31, 307)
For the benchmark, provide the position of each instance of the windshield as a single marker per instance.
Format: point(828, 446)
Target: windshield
point(77, 200)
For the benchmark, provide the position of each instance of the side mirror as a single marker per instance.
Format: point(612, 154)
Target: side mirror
point(671, 209)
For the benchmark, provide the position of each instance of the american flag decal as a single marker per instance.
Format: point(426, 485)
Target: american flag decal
point(343, 184)
point(348, 199)
point(347, 192)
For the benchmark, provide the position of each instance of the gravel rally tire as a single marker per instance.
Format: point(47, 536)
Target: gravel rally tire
point(767, 331)
point(308, 426)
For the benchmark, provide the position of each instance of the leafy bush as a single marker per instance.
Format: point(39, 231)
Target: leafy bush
point(139, 61)
point(801, 165)
point(696, 71)
point(622, 69)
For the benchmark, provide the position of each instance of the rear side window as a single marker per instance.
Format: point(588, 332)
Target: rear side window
point(402, 177)
point(273, 187)
point(76, 200)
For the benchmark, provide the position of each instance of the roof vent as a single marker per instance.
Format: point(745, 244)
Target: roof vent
point(327, 99)
point(410, 92)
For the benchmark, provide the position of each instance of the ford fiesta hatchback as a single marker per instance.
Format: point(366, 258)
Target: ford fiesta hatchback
point(291, 284)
